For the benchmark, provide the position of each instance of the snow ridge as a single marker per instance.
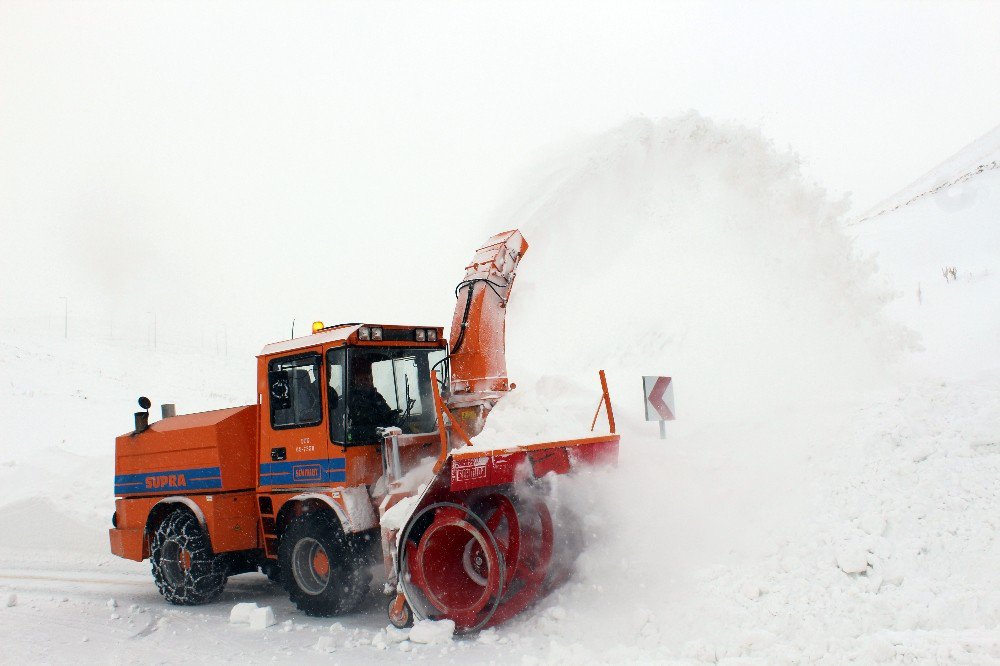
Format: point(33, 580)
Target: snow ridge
point(967, 176)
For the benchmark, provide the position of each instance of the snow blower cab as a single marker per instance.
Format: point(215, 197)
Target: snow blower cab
point(360, 449)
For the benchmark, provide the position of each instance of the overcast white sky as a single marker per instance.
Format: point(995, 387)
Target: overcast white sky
point(249, 162)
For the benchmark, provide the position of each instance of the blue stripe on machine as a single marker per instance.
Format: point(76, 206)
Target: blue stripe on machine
point(201, 478)
point(303, 471)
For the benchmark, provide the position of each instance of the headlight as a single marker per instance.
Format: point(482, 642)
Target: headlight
point(376, 333)
point(364, 333)
point(432, 335)
point(420, 335)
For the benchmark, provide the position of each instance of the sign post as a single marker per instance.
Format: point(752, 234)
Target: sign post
point(659, 399)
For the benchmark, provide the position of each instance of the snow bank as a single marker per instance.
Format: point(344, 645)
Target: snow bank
point(959, 318)
point(62, 402)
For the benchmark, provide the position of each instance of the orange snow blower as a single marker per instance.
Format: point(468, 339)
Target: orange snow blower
point(361, 443)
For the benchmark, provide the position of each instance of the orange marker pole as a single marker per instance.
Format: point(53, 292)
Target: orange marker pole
point(596, 413)
point(607, 402)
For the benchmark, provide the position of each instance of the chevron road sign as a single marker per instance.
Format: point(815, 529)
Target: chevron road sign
point(659, 394)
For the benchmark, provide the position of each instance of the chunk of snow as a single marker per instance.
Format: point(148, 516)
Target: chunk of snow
point(359, 507)
point(389, 636)
point(326, 644)
point(873, 523)
point(556, 613)
point(112, 603)
point(11, 600)
point(431, 632)
point(415, 477)
point(241, 613)
point(488, 637)
point(261, 618)
point(399, 513)
point(395, 635)
point(852, 559)
point(749, 590)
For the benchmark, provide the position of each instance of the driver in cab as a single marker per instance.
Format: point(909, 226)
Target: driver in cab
point(367, 407)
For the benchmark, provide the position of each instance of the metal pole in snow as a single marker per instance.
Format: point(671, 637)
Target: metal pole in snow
point(663, 429)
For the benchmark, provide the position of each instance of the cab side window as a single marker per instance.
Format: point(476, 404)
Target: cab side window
point(336, 399)
point(293, 386)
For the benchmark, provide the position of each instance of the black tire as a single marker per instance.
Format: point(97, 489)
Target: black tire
point(185, 569)
point(318, 568)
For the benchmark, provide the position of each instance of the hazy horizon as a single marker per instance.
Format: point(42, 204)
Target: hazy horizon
point(227, 168)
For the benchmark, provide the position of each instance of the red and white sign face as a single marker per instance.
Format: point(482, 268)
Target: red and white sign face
point(659, 393)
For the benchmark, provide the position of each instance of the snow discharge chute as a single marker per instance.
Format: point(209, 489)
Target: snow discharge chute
point(477, 354)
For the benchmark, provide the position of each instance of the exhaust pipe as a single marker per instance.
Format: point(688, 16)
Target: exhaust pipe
point(142, 418)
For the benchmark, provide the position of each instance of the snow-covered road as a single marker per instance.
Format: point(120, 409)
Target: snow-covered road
point(830, 492)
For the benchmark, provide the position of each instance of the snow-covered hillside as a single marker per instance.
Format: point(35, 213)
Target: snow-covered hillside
point(946, 182)
point(830, 492)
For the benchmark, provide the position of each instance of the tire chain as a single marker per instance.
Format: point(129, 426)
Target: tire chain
point(204, 579)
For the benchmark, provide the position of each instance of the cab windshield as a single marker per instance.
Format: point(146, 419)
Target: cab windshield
point(384, 387)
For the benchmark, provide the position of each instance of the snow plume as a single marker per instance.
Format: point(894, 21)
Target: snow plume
point(691, 248)
point(694, 249)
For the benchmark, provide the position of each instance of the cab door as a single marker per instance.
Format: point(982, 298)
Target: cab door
point(294, 436)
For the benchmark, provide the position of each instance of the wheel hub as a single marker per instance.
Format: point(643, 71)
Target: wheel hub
point(310, 566)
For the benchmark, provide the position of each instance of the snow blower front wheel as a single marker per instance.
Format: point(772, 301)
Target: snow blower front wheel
point(317, 568)
point(185, 569)
point(400, 615)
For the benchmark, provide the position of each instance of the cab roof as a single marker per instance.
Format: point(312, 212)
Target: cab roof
point(339, 333)
point(330, 334)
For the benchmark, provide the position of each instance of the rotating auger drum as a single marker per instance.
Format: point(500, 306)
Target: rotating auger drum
point(478, 552)
point(478, 560)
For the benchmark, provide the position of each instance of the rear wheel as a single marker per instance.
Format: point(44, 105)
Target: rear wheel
point(185, 569)
point(318, 568)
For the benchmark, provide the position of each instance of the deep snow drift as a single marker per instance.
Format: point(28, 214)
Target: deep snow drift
point(829, 491)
